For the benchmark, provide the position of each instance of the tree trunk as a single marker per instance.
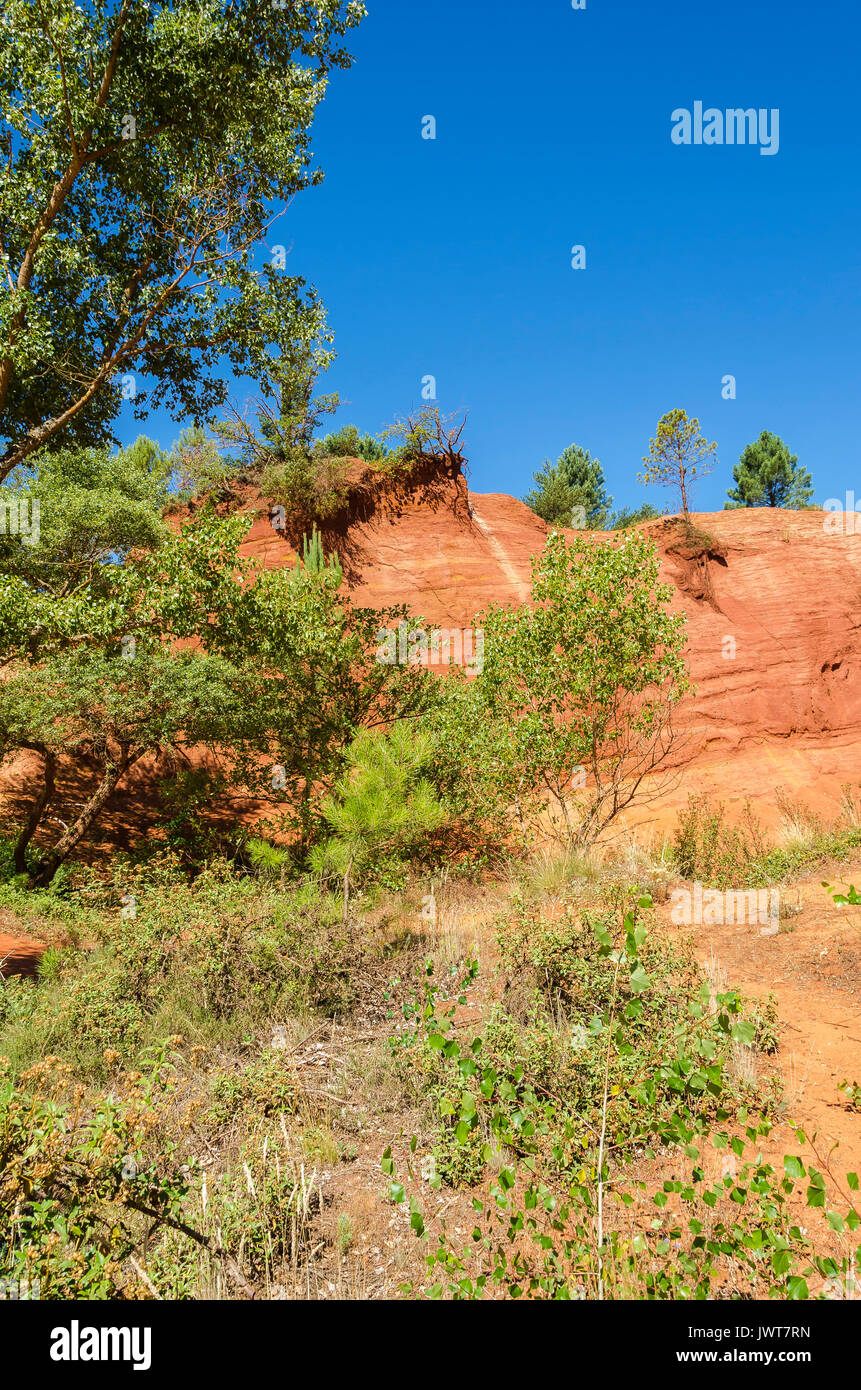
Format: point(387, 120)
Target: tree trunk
point(72, 837)
point(37, 810)
point(347, 891)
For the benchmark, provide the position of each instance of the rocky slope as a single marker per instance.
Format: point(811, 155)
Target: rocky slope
point(774, 622)
point(772, 607)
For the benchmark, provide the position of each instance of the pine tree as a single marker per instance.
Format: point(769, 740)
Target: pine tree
point(575, 480)
point(768, 475)
point(382, 804)
point(678, 455)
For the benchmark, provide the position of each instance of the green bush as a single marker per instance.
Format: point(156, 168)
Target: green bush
point(347, 442)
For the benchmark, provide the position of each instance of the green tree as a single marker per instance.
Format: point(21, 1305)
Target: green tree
point(310, 678)
point(768, 475)
point(382, 805)
point(286, 679)
point(347, 442)
point(91, 708)
point(678, 455)
point(144, 147)
point(572, 712)
point(198, 465)
point(95, 507)
point(632, 516)
point(574, 481)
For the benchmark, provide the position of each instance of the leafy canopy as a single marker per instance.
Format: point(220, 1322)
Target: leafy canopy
point(144, 148)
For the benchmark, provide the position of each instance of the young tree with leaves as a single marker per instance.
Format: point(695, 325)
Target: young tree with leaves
point(143, 148)
point(574, 707)
point(768, 475)
point(678, 455)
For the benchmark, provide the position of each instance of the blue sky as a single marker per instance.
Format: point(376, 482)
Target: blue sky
point(452, 257)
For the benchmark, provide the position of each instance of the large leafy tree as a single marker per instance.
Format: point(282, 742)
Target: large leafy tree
point(123, 639)
point(574, 481)
point(311, 680)
point(768, 475)
point(678, 455)
point(144, 147)
point(95, 508)
point(93, 679)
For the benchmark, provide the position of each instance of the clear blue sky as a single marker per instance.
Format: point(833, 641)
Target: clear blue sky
point(453, 257)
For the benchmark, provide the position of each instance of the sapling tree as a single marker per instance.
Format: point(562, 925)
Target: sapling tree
point(678, 455)
point(384, 803)
point(573, 710)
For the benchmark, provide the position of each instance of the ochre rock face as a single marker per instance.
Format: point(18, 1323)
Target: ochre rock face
point(773, 611)
point(773, 614)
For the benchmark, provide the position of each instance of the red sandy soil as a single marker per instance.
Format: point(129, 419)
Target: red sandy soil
point(813, 968)
point(19, 955)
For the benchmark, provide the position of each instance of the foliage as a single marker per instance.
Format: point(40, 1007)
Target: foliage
point(768, 475)
point(678, 455)
point(197, 465)
point(382, 807)
point(96, 510)
point(75, 1185)
point(542, 1231)
point(708, 849)
point(575, 481)
point(347, 442)
point(146, 145)
point(101, 710)
point(574, 703)
point(288, 670)
point(628, 516)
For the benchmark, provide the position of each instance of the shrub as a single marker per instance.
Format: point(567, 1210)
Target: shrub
point(382, 807)
point(347, 442)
